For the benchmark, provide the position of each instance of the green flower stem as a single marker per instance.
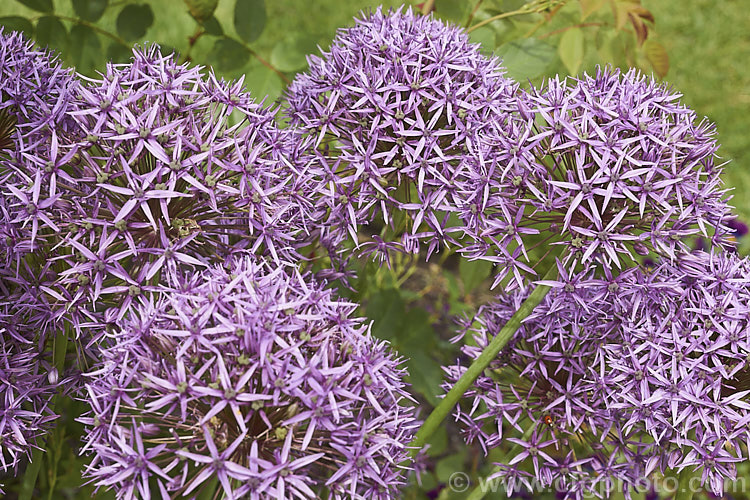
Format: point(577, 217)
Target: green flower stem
point(489, 353)
point(59, 349)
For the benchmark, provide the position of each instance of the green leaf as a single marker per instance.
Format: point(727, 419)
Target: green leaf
point(38, 5)
point(18, 23)
point(657, 56)
point(118, 53)
point(213, 26)
point(90, 10)
point(425, 376)
point(452, 11)
point(473, 273)
point(571, 49)
point(526, 58)
point(484, 36)
point(387, 310)
point(438, 442)
point(250, 19)
point(588, 7)
point(133, 21)
point(201, 9)
point(291, 54)
point(228, 55)
point(52, 33)
point(263, 83)
point(449, 465)
point(85, 49)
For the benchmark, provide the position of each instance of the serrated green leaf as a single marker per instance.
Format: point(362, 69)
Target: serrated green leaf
point(250, 19)
point(571, 49)
point(526, 58)
point(38, 5)
point(52, 33)
point(18, 23)
point(291, 54)
point(90, 10)
point(213, 26)
point(484, 36)
point(133, 21)
point(201, 9)
point(228, 55)
point(85, 49)
point(473, 273)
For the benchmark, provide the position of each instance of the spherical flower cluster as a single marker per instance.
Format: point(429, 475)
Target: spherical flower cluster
point(257, 377)
point(613, 378)
point(542, 396)
point(681, 371)
point(610, 166)
point(35, 93)
point(394, 106)
point(169, 168)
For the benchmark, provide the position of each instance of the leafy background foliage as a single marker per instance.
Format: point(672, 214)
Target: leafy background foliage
point(700, 47)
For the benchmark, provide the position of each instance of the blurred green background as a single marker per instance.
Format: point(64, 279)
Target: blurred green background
point(706, 42)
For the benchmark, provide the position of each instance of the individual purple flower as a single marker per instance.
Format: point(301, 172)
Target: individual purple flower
point(255, 376)
point(169, 168)
point(394, 106)
point(609, 166)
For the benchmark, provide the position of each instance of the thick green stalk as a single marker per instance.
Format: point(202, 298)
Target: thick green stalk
point(489, 353)
point(59, 349)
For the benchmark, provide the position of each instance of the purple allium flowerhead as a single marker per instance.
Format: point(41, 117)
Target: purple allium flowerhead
point(253, 375)
point(681, 372)
point(171, 168)
point(393, 106)
point(35, 93)
point(612, 378)
point(542, 397)
point(609, 166)
point(27, 384)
